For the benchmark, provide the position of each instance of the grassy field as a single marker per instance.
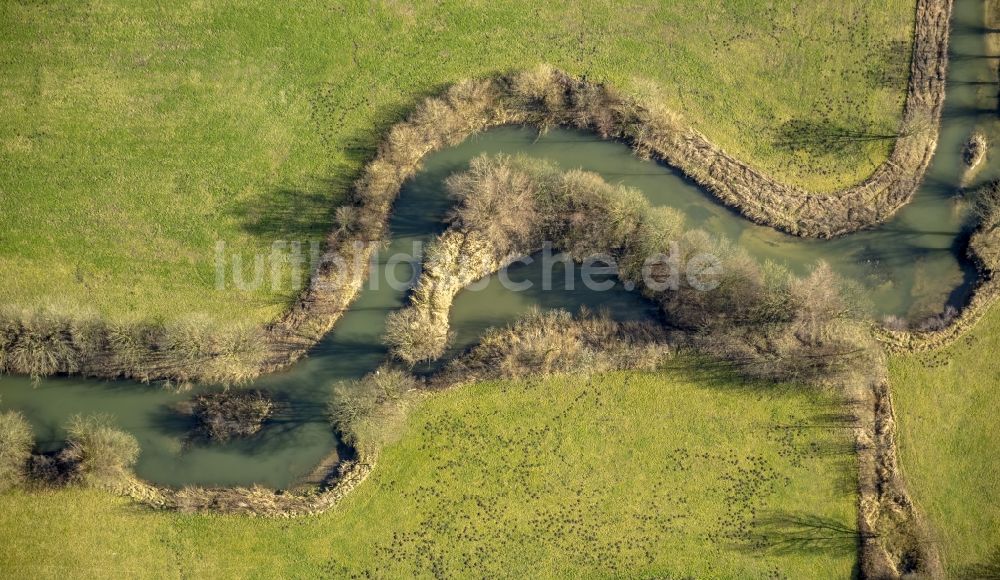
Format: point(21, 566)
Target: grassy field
point(669, 474)
point(946, 404)
point(134, 135)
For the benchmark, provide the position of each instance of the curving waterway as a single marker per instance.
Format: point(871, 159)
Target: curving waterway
point(912, 266)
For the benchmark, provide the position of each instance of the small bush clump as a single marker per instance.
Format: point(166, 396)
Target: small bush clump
point(96, 452)
point(370, 412)
point(230, 414)
point(16, 442)
point(985, 242)
point(939, 321)
point(413, 335)
point(552, 342)
point(975, 149)
point(37, 343)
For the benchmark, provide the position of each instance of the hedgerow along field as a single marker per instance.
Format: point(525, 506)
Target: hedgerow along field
point(949, 440)
point(667, 474)
point(134, 135)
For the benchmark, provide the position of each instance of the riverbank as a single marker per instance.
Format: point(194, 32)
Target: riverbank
point(983, 247)
point(945, 400)
point(541, 98)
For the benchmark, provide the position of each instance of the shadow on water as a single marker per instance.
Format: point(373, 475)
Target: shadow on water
point(937, 187)
point(171, 422)
point(280, 433)
point(968, 112)
point(973, 83)
point(972, 28)
point(967, 56)
point(959, 296)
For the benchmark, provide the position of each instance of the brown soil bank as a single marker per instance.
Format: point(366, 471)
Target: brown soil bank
point(249, 501)
point(796, 211)
point(895, 539)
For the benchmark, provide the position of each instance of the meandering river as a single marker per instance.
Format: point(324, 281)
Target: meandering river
point(912, 266)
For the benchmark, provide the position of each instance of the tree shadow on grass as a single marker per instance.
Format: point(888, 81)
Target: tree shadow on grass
point(292, 214)
point(825, 426)
point(989, 569)
point(306, 212)
point(825, 137)
point(277, 220)
point(732, 375)
point(787, 533)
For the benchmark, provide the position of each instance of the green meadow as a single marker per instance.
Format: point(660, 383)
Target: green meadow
point(135, 135)
point(949, 441)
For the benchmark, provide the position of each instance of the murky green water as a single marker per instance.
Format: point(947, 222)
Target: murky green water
point(912, 266)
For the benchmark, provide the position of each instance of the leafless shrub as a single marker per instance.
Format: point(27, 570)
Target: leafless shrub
point(987, 204)
point(346, 218)
point(132, 346)
point(895, 323)
point(659, 227)
point(556, 342)
point(240, 352)
point(938, 321)
point(985, 242)
point(646, 122)
point(99, 453)
point(821, 304)
point(812, 332)
point(10, 328)
point(16, 442)
point(413, 336)
point(473, 100)
point(42, 345)
point(599, 218)
point(594, 108)
point(229, 414)
point(45, 470)
point(496, 199)
point(370, 412)
point(541, 91)
point(975, 149)
point(188, 341)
